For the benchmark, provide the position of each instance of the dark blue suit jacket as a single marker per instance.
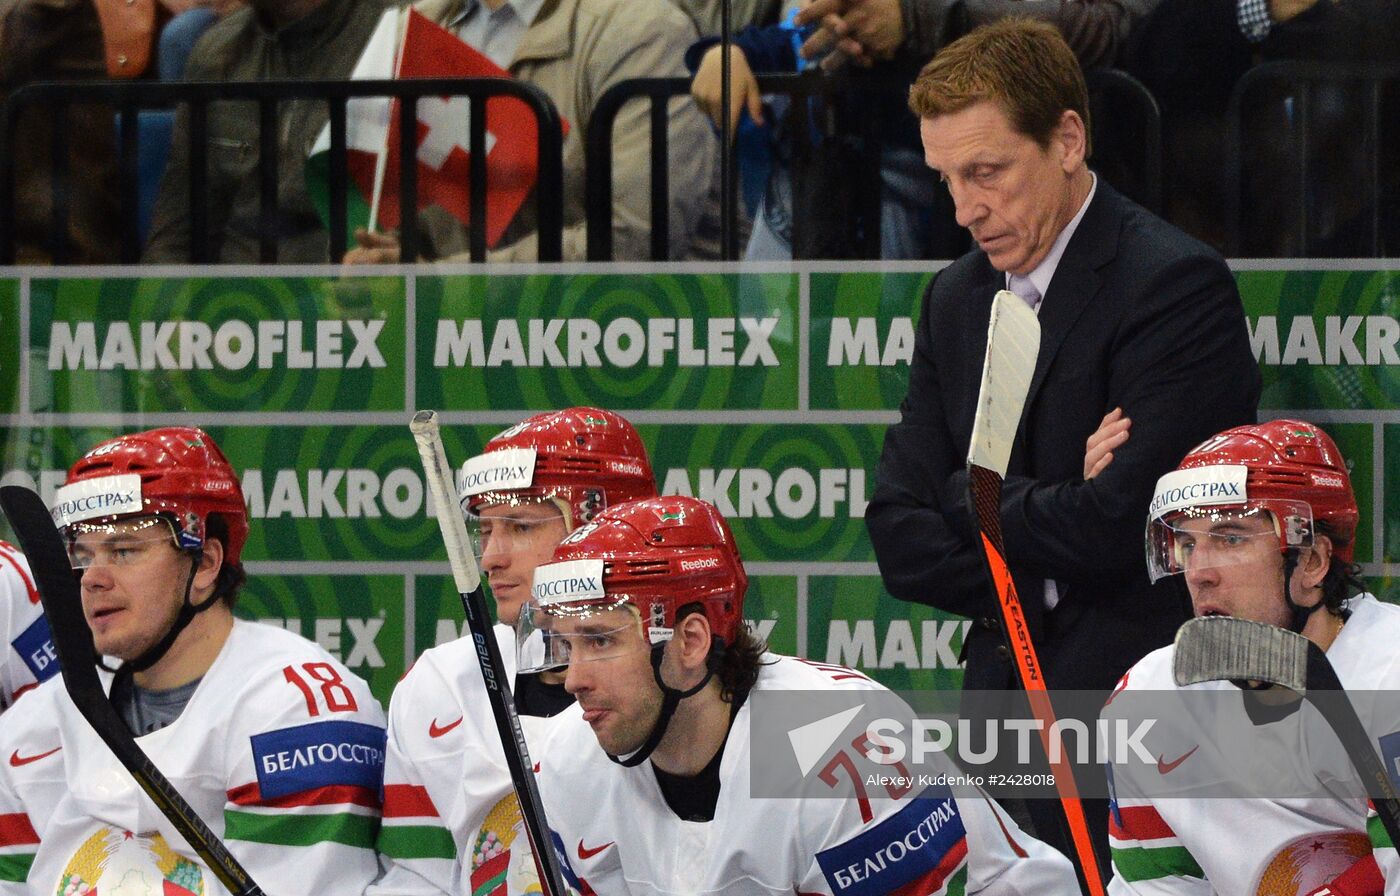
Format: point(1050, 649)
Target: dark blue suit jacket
point(1138, 315)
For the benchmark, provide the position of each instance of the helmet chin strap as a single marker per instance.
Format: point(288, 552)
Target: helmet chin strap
point(186, 615)
point(1299, 614)
point(671, 699)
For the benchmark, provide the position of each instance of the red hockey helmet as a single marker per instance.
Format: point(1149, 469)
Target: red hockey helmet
point(588, 458)
point(658, 555)
point(176, 473)
point(1288, 468)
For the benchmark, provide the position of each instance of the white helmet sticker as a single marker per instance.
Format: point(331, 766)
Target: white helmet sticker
point(568, 582)
point(1199, 487)
point(498, 471)
point(92, 498)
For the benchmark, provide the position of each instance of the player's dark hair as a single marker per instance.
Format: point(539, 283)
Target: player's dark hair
point(1342, 579)
point(735, 665)
point(231, 575)
point(739, 664)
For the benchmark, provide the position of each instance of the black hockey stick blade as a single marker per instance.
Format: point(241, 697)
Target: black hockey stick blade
point(427, 433)
point(1223, 648)
point(62, 600)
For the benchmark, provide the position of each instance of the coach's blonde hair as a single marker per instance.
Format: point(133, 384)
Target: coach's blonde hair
point(1022, 65)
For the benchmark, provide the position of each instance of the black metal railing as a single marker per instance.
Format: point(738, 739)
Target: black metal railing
point(1125, 118)
point(659, 91)
point(128, 99)
point(1311, 165)
point(1126, 126)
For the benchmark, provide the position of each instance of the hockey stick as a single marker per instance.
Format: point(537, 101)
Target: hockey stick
point(1224, 648)
point(454, 535)
point(63, 604)
point(1013, 343)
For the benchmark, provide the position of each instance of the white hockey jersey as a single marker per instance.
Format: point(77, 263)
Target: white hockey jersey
point(617, 836)
point(280, 750)
point(31, 657)
point(1286, 845)
point(451, 821)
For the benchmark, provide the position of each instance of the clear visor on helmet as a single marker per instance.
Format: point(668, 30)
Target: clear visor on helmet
point(1211, 537)
point(516, 524)
point(123, 542)
point(553, 637)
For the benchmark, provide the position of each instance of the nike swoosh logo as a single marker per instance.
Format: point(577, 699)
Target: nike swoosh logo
point(1165, 767)
point(17, 760)
point(436, 730)
point(585, 854)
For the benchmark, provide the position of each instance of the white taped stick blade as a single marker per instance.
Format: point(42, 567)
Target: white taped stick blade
point(1223, 648)
point(443, 503)
point(1013, 342)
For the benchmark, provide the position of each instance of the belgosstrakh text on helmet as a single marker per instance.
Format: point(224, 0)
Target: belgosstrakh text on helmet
point(94, 498)
point(1199, 486)
point(571, 580)
point(503, 470)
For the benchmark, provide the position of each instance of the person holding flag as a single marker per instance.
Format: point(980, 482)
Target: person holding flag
point(267, 40)
point(575, 51)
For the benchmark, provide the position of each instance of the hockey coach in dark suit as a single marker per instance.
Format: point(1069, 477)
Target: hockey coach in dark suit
point(1144, 353)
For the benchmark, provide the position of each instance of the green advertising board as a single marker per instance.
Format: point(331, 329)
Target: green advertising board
point(10, 332)
point(147, 345)
point(654, 341)
point(1326, 340)
point(862, 337)
point(765, 391)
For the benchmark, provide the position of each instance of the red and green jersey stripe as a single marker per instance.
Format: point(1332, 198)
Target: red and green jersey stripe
point(413, 828)
point(949, 878)
point(336, 814)
point(18, 844)
point(1380, 837)
point(1145, 847)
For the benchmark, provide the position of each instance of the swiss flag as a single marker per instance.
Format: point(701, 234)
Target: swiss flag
point(512, 157)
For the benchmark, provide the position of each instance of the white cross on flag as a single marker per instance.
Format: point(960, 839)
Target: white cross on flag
point(406, 44)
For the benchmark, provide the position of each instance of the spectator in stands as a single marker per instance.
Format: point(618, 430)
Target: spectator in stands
point(63, 40)
point(905, 33)
point(1192, 53)
point(822, 165)
point(59, 40)
point(271, 39)
point(871, 30)
point(575, 50)
point(190, 19)
point(742, 13)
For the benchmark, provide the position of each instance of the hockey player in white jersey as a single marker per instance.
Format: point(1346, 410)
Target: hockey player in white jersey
point(1260, 521)
point(451, 820)
point(273, 742)
point(31, 658)
point(646, 781)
